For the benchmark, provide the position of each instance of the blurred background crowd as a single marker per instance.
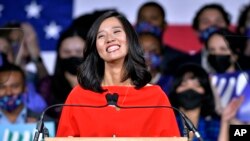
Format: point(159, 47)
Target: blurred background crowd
point(202, 66)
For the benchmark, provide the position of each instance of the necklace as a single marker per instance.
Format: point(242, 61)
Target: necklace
point(125, 96)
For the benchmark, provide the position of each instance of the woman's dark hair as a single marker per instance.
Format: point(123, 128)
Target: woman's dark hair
point(235, 42)
point(69, 32)
point(208, 104)
point(85, 21)
point(12, 67)
point(60, 85)
point(215, 6)
point(91, 71)
point(151, 4)
point(243, 18)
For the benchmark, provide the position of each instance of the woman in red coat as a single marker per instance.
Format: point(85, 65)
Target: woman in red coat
point(113, 63)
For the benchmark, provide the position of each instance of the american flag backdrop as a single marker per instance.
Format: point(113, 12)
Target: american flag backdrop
point(48, 17)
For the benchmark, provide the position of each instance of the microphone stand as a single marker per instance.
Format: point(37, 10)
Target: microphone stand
point(40, 128)
point(190, 126)
point(45, 132)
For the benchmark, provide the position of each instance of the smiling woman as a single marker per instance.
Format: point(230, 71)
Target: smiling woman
point(113, 49)
point(111, 40)
point(113, 63)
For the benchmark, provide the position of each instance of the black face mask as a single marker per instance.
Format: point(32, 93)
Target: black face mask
point(70, 64)
point(219, 62)
point(189, 99)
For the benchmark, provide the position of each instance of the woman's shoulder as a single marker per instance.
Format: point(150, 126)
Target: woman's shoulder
point(79, 89)
point(152, 87)
point(80, 95)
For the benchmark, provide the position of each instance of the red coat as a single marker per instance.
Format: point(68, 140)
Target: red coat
point(110, 121)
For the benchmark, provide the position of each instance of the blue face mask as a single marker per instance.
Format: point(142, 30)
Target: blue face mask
point(154, 59)
point(10, 103)
point(147, 27)
point(206, 33)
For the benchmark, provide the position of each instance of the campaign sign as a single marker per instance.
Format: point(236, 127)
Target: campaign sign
point(233, 85)
point(23, 132)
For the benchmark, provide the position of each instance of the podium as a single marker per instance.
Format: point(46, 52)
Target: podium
point(117, 139)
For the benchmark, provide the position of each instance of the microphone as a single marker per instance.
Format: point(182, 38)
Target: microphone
point(40, 124)
point(113, 98)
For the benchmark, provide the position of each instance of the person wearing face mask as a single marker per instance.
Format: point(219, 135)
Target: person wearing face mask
point(6, 58)
point(55, 88)
point(14, 105)
point(153, 57)
point(208, 19)
point(151, 17)
point(192, 93)
point(70, 47)
point(222, 46)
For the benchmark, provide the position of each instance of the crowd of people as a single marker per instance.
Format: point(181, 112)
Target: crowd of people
point(103, 53)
